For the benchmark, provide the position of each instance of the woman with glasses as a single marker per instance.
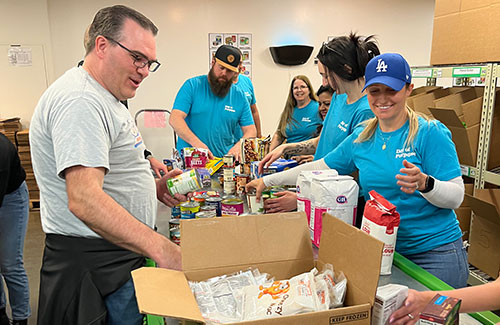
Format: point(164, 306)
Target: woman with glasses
point(342, 63)
point(412, 162)
point(299, 119)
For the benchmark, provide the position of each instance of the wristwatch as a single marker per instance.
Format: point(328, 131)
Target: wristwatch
point(429, 184)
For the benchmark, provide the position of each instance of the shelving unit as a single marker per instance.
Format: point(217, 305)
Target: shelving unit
point(491, 73)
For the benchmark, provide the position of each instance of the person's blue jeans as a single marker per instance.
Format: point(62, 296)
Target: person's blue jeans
point(448, 263)
point(14, 214)
point(122, 306)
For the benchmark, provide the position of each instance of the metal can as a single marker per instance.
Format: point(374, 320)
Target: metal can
point(205, 214)
point(189, 209)
point(215, 202)
point(228, 161)
point(229, 187)
point(241, 182)
point(200, 199)
point(213, 193)
point(184, 183)
point(209, 208)
point(175, 231)
point(176, 211)
point(253, 205)
point(228, 174)
point(274, 190)
point(232, 207)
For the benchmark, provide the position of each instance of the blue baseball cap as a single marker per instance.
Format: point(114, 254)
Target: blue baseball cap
point(389, 69)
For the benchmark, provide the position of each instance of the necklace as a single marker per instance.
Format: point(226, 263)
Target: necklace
point(385, 140)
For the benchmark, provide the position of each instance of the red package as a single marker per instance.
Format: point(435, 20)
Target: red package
point(195, 157)
point(381, 220)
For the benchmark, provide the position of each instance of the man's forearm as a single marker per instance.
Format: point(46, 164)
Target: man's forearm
point(184, 132)
point(307, 147)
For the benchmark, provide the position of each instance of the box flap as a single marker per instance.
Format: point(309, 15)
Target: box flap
point(447, 116)
point(165, 293)
point(420, 102)
point(355, 253)
point(456, 100)
point(245, 240)
point(485, 203)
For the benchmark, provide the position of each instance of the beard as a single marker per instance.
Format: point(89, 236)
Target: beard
point(219, 87)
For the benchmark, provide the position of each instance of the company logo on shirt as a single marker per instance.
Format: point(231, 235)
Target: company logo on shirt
point(404, 153)
point(229, 108)
point(137, 136)
point(306, 119)
point(343, 126)
point(248, 94)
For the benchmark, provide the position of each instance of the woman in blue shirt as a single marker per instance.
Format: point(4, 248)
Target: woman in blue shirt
point(412, 162)
point(299, 119)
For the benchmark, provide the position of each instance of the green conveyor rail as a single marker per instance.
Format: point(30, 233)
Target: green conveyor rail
point(435, 284)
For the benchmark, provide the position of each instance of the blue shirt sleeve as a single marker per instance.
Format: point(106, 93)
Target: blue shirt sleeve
point(246, 118)
point(184, 99)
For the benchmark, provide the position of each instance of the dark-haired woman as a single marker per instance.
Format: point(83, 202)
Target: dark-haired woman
point(342, 63)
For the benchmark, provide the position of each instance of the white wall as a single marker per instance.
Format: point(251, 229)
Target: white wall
point(403, 26)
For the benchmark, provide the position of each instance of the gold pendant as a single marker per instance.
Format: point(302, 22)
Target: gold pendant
point(383, 146)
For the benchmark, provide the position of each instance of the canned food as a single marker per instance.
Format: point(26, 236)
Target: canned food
point(175, 231)
point(228, 174)
point(228, 161)
point(232, 207)
point(184, 183)
point(189, 209)
point(176, 211)
point(215, 202)
point(200, 199)
point(205, 214)
point(213, 193)
point(274, 190)
point(247, 168)
point(209, 208)
point(229, 187)
point(253, 205)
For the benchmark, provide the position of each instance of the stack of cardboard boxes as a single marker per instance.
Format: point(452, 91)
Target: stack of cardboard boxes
point(9, 127)
point(25, 156)
point(460, 109)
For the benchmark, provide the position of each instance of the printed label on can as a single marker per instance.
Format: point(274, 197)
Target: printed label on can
point(184, 183)
point(232, 207)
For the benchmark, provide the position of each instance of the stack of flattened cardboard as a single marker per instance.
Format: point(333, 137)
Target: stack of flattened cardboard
point(24, 154)
point(278, 244)
point(9, 127)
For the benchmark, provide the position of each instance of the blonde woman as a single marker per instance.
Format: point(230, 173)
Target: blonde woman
point(299, 119)
point(412, 162)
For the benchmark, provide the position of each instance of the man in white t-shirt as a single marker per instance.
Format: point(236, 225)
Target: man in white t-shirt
point(97, 194)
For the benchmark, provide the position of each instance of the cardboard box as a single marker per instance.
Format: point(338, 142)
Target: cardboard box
point(466, 31)
point(462, 116)
point(424, 90)
point(421, 102)
point(278, 244)
point(484, 250)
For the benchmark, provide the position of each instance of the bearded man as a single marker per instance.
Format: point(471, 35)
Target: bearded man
point(208, 110)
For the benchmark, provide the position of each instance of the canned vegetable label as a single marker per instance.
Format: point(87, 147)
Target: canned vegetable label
point(189, 209)
point(232, 207)
point(184, 183)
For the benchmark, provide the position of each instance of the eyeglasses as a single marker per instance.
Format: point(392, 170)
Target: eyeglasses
point(140, 61)
point(301, 87)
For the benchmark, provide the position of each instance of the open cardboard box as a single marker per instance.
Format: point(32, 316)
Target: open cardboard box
point(484, 250)
point(461, 113)
point(421, 101)
point(278, 244)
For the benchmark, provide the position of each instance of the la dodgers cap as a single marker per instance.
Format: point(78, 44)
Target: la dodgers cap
point(229, 57)
point(389, 69)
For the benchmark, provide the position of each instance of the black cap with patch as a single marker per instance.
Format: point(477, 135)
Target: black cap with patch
point(229, 57)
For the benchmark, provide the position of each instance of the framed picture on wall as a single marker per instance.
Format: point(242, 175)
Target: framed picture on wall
point(231, 39)
point(245, 41)
point(215, 40)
